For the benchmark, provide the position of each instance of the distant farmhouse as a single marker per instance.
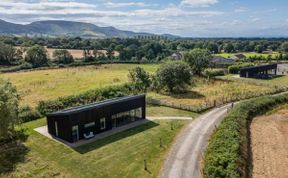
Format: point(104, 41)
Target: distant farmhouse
point(219, 61)
point(177, 55)
point(238, 57)
point(86, 121)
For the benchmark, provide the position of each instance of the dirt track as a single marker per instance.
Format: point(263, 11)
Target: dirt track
point(269, 141)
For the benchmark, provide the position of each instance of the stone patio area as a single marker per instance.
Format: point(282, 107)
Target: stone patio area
point(44, 131)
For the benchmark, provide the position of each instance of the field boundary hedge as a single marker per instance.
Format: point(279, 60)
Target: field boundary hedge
point(87, 97)
point(228, 153)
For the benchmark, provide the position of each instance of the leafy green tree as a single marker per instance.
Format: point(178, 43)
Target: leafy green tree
point(213, 47)
point(9, 55)
point(37, 56)
point(173, 76)
point(284, 47)
point(63, 56)
point(198, 59)
point(228, 48)
point(140, 78)
point(9, 100)
point(259, 48)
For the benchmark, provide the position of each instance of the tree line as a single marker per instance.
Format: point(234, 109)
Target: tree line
point(130, 49)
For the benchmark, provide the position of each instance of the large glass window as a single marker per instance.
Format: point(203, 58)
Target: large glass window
point(126, 117)
point(91, 124)
point(103, 123)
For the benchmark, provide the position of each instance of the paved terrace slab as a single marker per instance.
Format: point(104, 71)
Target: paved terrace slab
point(44, 131)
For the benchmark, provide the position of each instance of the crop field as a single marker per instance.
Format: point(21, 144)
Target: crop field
point(38, 85)
point(119, 155)
point(269, 143)
point(205, 92)
point(76, 53)
point(227, 55)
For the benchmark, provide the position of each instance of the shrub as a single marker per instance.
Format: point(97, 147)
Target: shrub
point(235, 69)
point(9, 100)
point(27, 114)
point(140, 78)
point(227, 154)
point(213, 72)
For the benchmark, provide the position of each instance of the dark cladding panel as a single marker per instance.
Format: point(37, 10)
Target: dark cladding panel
point(87, 114)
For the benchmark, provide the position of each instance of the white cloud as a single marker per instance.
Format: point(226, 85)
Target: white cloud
point(198, 3)
point(255, 19)
point(125, 4)
point(241, 9)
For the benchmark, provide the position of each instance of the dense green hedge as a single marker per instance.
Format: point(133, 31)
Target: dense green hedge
point(228, 153)
point(213, 72)
point(45, 107)
point(235, 69)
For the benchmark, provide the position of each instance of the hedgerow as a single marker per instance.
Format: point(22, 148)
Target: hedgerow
point(228, 152)
point(235, 69)
point(91, 96)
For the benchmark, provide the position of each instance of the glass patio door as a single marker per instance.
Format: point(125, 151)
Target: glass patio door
point(75, 133)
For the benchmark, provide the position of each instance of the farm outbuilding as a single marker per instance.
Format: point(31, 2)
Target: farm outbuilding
point(86, 121)
point(260, 72)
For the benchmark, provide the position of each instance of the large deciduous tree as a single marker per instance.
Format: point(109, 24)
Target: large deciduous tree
point(198, 59)
point(173, 76)
point(63, 56)
point(9, 55)
point(8, 108)
point(37, 56)
point(284, 47)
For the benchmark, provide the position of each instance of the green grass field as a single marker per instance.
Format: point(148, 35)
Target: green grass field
point(227, 55)
point(40, 85)
point(207, 91)
point(119, 155)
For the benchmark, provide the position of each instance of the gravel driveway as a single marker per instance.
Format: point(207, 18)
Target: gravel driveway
point(184, 158)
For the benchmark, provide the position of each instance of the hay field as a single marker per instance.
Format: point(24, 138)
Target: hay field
point(37, 85)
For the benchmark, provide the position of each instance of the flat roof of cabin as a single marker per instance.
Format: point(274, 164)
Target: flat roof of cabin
point(264, 67)
point(99, 104)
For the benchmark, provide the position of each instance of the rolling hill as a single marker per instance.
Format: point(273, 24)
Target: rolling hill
point(57, 28)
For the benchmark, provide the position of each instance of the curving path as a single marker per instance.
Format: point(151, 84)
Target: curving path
point(184, 158)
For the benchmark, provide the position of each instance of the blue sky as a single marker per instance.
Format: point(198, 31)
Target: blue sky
point(190, 18)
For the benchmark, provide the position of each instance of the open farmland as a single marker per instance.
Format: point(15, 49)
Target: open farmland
point(34, 86)
point(269, 144)
point(37, 85)
point(76, 53)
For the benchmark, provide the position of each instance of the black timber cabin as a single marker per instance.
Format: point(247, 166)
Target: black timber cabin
point(85, 121)
point(259, 72)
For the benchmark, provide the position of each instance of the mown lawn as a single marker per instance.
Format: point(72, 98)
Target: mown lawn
point(120, 155)
point(39, 85)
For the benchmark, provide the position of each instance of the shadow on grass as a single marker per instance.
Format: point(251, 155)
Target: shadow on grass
point(12, 152)
point(116, 137)
point(188, 95)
